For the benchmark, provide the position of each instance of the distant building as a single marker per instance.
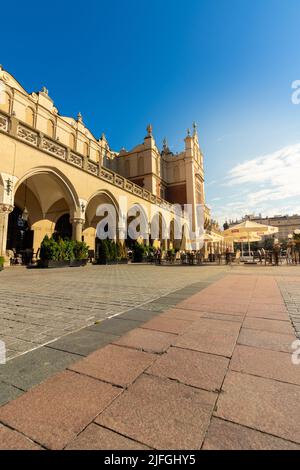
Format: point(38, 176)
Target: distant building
point(285, 223)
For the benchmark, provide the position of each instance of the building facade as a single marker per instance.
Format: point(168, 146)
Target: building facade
point(54, 173)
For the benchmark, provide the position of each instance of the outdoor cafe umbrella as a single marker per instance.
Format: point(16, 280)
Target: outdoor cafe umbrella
point(243, 238)
point(251, 229)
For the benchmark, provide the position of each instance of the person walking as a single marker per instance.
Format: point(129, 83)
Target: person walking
point(276, 252)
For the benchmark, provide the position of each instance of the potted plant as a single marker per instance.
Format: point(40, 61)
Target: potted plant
point(1, 263)
point(81, 254)
point(138, 253)
point(58, 253)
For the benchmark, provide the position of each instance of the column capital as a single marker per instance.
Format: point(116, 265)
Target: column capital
point(6, 208)
point(77, 220)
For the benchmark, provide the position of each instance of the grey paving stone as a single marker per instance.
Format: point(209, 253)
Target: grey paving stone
point(82, 342)
point(8, 393)
point(114, 326)
point(138, 314)
point(32, 368)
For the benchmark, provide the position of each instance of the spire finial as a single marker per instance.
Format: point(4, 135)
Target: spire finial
point(79, 117)
point(188, 132)
point(165, 143)
point(149, 130)
point(195, 127)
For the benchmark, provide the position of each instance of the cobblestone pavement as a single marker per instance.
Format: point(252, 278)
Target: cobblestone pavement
point(39, 306)
point(212, 370)
point(290, 289)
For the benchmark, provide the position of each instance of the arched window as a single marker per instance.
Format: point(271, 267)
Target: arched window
point(5, 101)
point(98, 156)
point(85, 149)
point(72, 142)
point(50, 128)
point(29, 116)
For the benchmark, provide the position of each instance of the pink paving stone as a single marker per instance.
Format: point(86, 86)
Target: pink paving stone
point(114, 364)
point(265, 363)
point(12, 440)
point(214, 337)
point(147, 340)
point(268, 315)
point(266, 340)
point(161, 413)
point(181, 314)
point(274, 326)
point(272, 308)
point(167, 325)
point(95, 437)
point(191, 368)
point(54, 412)
point(223, 435)
point(263, 404)
point(218, 307)
point(225, 317)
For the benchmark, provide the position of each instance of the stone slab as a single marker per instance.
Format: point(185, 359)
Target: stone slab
point(266, 340)
point(114, 326)
point(114, 364)
point(161, 413)
point(223, 435)
point(82, 342)
point(32, 368)
point(147, 340)
point(54, 412)
point(12, 440)
point(262, 404)
point(191, 368)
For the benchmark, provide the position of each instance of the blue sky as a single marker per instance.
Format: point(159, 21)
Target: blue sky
point(227, 64)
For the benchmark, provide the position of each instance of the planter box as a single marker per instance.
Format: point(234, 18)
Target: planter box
point(76, 263)
point(62, 264)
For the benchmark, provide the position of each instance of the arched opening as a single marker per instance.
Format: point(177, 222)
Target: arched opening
point(5, 101)
point(63, 227)
point(50, 128)
point(44, 202)
point(19, 236)
point(29, 116)
point(137, 226)
point(72, 142)
point(105, 200)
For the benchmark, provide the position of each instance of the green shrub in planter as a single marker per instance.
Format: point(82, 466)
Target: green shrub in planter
point(138, 253)
point(1, 262)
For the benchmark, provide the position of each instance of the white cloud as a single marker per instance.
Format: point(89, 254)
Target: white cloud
point(268, 184)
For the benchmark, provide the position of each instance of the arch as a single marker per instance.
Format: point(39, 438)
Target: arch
point(65, 183)
point(50, 128)
point(72, 142)
point(29, 116)
point(85, 149)
point(5, 101)
point(136, 211)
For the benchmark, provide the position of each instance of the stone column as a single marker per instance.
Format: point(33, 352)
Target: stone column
point(5, 210)
point(77, 224)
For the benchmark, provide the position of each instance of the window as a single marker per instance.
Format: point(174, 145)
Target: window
point(29, 116)
point(5, 101)
point(50, 128)
point(72, 142)
point(85, 149)
point(98, 156)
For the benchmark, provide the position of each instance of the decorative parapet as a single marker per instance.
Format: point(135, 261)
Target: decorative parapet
point(4, 123)
point(32, 137)
point(75, 159)
point(54, 148)
point(92, 168)
point(28, 135)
